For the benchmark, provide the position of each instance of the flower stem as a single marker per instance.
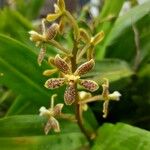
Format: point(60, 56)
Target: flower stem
point(74, 24)
point(77, 106)
point(60, 47)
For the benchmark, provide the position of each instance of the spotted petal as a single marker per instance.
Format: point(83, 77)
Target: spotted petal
point(52, 31)
point(54, 83)
point(89, 85)
point(61, 64)
point(52, 124)
point(57, 109)
point(69, 96)
point(84, 68)
point(41, 55)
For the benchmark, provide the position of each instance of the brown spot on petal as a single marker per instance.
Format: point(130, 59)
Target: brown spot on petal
point(54, 83)
point(47, 127)
point(52, 123)
point(69, 96)
point(41, 55)
point(52, 31)
point(89, 85)
point(57, 109)
point(55, 124)
point(84, 68)
point(61, 64)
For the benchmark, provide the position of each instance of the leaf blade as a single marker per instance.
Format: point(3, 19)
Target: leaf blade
point(122, 136)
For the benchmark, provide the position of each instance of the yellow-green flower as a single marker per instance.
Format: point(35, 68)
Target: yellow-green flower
point(106, 96)
point(71, 79)
point(40, 39)
point(52, 113)
point(59, 10)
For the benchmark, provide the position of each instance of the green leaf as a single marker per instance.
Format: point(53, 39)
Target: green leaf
point(21, 72)
point(121, 24)
point(124, 47)
point(113, 69)
point(33, 7)
point(30, 125)
point(128, 20)
point(73, 141)
point(21, 104)
point(121, 137)
point(106, 20)
point(26, 132)
point(15, 25)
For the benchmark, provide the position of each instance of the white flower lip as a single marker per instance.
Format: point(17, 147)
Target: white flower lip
point(44, 111)
point(32, 32)
point(115, 96)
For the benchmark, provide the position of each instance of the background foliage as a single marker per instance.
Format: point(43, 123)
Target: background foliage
point(118, 58)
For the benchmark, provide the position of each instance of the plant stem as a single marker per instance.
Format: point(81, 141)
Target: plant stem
point(60, 47)
point(74, 24)
point(80, 122)
point(82, 52)
point(92, 99)
point(77, 106)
